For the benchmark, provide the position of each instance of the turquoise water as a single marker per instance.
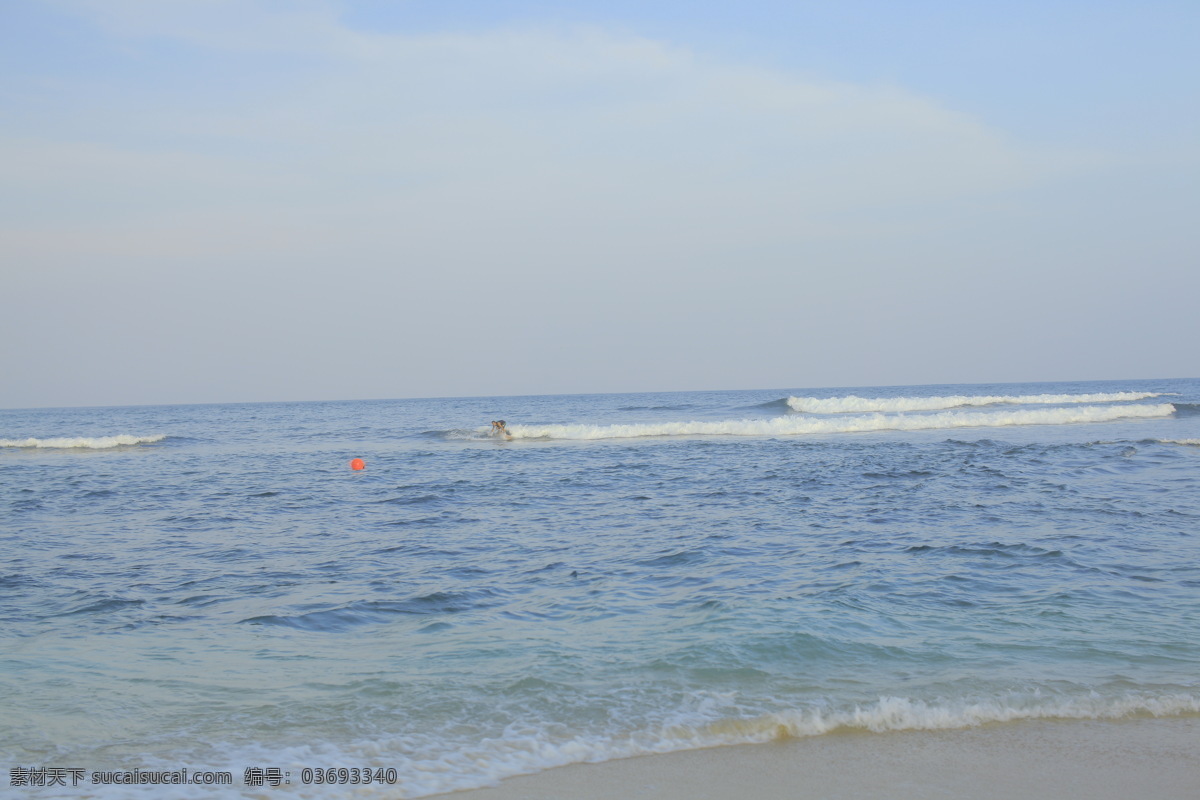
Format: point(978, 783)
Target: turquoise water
point(213, 588)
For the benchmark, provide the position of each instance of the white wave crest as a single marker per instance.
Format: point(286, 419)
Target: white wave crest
point(852, 404)
point(1193, 442)
point(792, 426)
point(98, 443)
point(903, 714)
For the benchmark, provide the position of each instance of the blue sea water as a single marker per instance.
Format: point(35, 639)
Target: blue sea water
point(213, 588)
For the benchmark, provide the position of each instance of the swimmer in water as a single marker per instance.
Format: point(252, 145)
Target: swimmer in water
point(499, 429)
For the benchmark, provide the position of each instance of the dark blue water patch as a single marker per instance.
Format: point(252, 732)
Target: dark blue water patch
point(551, 567)
point(409, 501)
point(680, 558)
point(155, 620)
point(989, 549)
point(625, 467)
point(25, 499)
point(197, 523)
point(86, 556)
point(900, 474)
point(103, 606)
point(201, 600)
point(977, 444)
point(14, 580)
point(368, 612)
point(540, 613)
point(419, 521)
point(417, 549)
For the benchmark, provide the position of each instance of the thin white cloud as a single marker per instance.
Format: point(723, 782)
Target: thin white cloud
point(510, 133)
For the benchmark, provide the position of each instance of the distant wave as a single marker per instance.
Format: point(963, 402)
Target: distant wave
point(681, 407)
point(851, 404)
point(1193, 442)
point(791, 426)
point(97, 443)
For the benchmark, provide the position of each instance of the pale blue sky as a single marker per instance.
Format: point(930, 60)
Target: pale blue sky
point(239, 201)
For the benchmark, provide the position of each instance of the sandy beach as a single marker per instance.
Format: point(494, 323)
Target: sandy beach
point(1156, 759)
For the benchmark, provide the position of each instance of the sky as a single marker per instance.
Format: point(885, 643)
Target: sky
point(241, 200)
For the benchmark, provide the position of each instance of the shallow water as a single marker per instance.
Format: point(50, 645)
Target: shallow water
point(628, 574)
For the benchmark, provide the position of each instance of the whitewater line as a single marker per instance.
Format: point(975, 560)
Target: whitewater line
point(98, 443)
point(855, 404)
point(797, 425)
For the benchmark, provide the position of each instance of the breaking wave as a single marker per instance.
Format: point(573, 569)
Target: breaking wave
point(852, 404)
point(530, 750)
point(427, 764)
point(792, 426)
point(904, 714)
point(87, 443)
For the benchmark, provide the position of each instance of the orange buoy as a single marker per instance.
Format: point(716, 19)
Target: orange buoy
point(357, 463)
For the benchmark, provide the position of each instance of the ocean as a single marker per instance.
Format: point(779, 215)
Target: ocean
point(210, 593)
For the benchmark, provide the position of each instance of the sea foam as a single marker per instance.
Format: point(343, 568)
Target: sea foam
point(851, 404)
point(798, 425)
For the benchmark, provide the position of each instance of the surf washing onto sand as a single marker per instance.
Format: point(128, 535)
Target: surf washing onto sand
point(625, 575)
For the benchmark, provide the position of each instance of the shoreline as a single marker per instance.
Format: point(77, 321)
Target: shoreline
point(1034, 759)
